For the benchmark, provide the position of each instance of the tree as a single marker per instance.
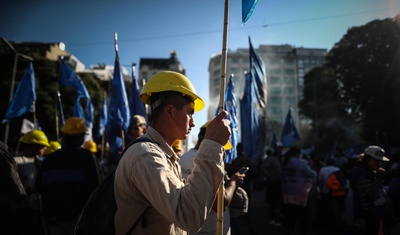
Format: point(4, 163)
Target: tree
point(363, 62)
point(354, 97)
point(321, 103)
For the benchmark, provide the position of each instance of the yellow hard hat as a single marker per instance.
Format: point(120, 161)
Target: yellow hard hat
point(177, 145)
point(35, 137)
point(91, 146)
point(171, 81)
point(74, 126)
point(54, 145)
point(228, 145)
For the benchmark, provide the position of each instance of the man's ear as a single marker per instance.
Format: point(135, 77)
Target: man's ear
point(169, 110)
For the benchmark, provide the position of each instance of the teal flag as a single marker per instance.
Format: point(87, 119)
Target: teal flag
point(247, 9)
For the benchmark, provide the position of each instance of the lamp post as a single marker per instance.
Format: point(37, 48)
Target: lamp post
point(17, 54)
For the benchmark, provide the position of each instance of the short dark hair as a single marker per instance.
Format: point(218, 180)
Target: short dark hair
point(177, 99)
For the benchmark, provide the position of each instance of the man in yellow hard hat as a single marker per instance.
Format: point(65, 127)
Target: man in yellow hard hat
point(177, 147)
point(17, 216)
point(67, 178)
point(54, 146)
point(33, 145)
point(148, 181)
point(91, 146)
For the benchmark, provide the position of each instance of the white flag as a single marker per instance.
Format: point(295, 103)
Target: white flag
point(26, 126)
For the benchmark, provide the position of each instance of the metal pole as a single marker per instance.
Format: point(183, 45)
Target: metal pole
point(220, 205)
point(17, 54)
point(11, 96)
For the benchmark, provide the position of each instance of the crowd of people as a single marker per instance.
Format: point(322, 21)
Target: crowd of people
point(350, 195)
point(170, 191)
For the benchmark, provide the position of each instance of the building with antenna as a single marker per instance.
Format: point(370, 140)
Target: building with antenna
point(150, 66)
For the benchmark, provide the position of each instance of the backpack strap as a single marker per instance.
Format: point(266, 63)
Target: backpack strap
point(137, 140)
point(137, 221)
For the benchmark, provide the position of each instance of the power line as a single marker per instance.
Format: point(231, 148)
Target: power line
point(231, 29)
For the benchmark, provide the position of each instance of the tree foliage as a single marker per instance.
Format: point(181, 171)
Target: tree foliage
point(359, 85)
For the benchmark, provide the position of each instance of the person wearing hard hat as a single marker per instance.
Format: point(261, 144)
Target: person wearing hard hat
point(91, 146)
point(177, 147)
point(54, 146)
point(17, 215)
point(137, 127)
point(67, 178)
point(33, 145)
point(148, 181)
point(187, 164)
point(367, 185)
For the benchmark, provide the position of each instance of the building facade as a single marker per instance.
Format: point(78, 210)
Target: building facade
point(285, 67)
point(150, 66)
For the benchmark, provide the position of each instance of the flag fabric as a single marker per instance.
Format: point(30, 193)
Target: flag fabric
point(252, 108)
point(136, 106)
point(290, 135)
point(118, 112)
point(103, 117)
point(230, 105)
point(27, 126)
point(24, 97)
point(71, 79)
point(247, 9)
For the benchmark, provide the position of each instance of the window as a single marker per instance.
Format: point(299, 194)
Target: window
point(275, 80)
point(276, 100)
point(288, 80)
point(274, 90)
point(288, 90)
point(275, 71)
point(290, 100)
point(289, 71)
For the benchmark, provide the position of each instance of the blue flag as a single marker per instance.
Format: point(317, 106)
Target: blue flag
point(231, 107)
point(118, 112)
point(289, 133)
point(24, 97)
point(70, 79)
point(136, 106)
point(252, 108)
point(247, 9)
point(78, 112)
point(103, 116)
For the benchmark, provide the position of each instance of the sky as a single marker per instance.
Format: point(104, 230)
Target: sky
point(152, 28)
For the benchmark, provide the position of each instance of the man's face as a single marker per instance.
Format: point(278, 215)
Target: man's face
point(137, 130)
point(38, 149)
point(184, 121)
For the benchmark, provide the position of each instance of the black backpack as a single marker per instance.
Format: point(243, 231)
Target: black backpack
point(97, 216)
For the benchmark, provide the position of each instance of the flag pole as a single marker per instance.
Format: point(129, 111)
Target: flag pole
point(57, 119)
point(34, 115)
point(116, 56)
point(220, 205)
